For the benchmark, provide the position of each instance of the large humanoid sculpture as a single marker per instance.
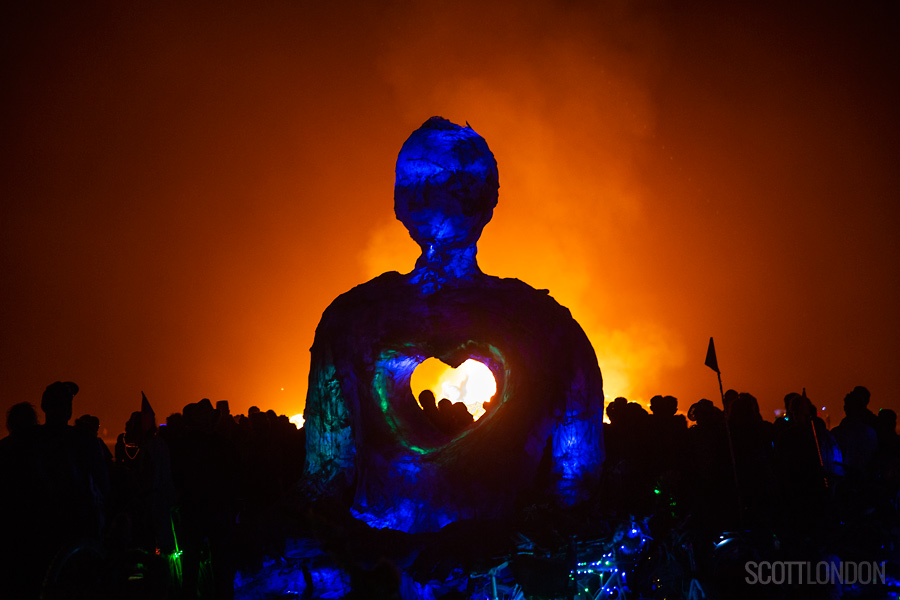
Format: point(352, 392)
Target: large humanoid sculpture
point(366, 434)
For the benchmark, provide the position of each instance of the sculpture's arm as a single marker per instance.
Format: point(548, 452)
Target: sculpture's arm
point(330, 450)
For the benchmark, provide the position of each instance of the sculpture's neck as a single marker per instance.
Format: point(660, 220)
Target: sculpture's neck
point(437, 267)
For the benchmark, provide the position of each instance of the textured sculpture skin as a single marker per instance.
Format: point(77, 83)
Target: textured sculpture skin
point(366, 434)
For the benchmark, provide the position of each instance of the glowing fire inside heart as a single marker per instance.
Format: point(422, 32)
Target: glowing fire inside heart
point(472, 383)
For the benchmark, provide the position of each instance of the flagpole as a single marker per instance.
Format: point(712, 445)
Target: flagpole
point(721, 391)
point(713, 363)
point(737, 485)
point(812, 421)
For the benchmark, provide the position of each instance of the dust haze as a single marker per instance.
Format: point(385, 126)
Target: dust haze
point(188, 187)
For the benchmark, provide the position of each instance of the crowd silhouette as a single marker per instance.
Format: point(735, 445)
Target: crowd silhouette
point(156, 518)
point(812, 492)
point(446, 416)
point(182, 503)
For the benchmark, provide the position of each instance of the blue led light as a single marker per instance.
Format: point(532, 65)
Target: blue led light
point(446, 186)
point(365, 434)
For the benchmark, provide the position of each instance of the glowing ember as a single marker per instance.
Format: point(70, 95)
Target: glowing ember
point(472, 383)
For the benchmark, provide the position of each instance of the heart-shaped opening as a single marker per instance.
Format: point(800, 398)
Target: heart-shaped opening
point(471, 384)
point(424, 430)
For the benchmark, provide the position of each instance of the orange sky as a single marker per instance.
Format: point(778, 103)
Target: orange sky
point(187, 187)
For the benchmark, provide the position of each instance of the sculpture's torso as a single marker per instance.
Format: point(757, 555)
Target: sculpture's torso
point(406, 471)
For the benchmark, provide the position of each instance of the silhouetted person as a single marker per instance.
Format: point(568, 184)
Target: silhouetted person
point(462, 418)
point(886, 464)
point(799, 459)
point(635, 420)
point(886, 429)
point(127, 443)
point(752, 442)
point(782, 421)
point(68, 476)
point(22, 553)
point(710, 488)
point(149, 489)
point(667, 435)
point(225, 425)
point(21, 420)
point(664, 406)
point(72, 465)
point(613, 436)
point(887, 422)
point(728, 399)
point(210, 484)
point(429, 407)
point(627, 425)
point(90, 425)
point(857, 401)
point(628, 477)
point(489, 405)
point(450, 419)
point(857, 435)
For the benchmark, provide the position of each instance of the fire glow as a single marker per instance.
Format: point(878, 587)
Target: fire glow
point(628, 180)
point(472, 383)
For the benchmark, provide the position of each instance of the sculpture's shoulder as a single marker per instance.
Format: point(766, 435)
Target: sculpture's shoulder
point(517, 291)
point(393, 295)
point(384, 286)
point(512, 285)
point(353, 306)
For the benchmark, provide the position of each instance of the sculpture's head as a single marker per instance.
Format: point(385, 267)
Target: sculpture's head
point(446, 186)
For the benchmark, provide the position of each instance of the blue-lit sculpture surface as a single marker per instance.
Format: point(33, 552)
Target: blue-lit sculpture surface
point(367, 437)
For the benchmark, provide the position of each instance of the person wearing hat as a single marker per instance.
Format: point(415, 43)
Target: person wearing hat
point(71, 472)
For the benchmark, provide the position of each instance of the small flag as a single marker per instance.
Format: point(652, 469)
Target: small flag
point(148, 417)
point(711, 361)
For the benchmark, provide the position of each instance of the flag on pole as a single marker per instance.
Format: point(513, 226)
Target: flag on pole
point(148, 417)
point(711, 361)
